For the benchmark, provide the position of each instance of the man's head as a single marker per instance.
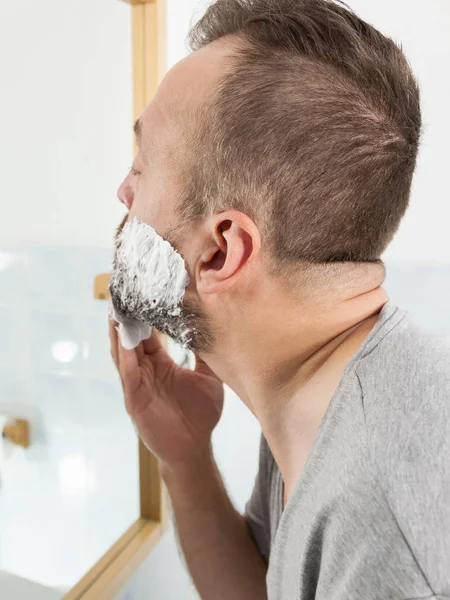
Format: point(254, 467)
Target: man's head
point(279, 153)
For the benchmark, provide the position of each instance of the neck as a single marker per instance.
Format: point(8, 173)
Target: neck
point(287, 371)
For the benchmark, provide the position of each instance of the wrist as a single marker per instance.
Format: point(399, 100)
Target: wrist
point(187, 470)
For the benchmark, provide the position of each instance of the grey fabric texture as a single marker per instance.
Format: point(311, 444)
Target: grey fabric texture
point(369, 518)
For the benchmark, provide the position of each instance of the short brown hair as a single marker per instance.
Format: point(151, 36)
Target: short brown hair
point(315, 130)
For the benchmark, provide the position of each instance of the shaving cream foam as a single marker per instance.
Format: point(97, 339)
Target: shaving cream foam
point(148, 283)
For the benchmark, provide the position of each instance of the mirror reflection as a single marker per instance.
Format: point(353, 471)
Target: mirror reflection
point(69, 481)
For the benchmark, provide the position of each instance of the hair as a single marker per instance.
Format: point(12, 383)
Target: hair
point(314, 131)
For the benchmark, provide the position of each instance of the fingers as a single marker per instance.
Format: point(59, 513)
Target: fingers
point(126, 361)
point(129, 369)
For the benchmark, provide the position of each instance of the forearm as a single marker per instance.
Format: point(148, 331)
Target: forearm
point(222, 558)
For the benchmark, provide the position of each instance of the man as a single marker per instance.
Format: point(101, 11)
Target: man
point(277, 160)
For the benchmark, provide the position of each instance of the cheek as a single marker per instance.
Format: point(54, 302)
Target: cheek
point(144, 207)
point(153, 207)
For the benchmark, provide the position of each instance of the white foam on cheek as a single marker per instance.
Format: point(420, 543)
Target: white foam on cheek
point(155, 272)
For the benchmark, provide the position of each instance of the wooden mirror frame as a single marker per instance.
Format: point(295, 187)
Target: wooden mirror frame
point(110, 574)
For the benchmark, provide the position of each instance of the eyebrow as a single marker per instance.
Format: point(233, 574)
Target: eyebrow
point(138, 131)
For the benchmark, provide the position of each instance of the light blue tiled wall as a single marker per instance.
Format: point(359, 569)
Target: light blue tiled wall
point(56, 370)
point(54, 334)
point(55, 363)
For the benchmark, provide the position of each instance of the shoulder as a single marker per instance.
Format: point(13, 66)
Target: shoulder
point(405, 386)
point(405, 390)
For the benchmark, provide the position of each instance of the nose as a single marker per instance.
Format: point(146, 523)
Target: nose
point(125, 193)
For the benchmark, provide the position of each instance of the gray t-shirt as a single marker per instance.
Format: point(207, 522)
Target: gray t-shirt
point(369, 517)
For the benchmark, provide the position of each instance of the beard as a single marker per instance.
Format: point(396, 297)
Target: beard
point(148, 287)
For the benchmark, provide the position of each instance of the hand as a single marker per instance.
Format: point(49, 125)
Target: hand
point(175, 409)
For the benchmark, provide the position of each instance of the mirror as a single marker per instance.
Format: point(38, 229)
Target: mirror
point(76, 488)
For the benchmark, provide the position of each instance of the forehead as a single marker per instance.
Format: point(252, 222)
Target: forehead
point(187, 85)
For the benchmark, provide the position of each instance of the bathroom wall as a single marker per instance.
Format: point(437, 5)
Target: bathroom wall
point(65, 119)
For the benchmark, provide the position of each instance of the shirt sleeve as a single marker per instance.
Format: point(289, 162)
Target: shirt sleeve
point(257, 508)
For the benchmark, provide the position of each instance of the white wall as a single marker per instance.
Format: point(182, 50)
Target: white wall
point(65, 119)
point(422, 29)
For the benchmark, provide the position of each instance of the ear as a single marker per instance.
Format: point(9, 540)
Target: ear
point(233, 242)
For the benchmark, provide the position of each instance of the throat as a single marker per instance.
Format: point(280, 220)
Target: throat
point(292, 436)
